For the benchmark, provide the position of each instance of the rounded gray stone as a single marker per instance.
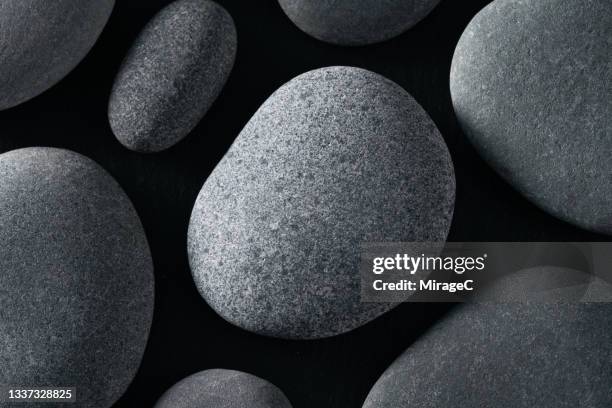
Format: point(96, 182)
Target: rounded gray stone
point(519, 355)
point(356, 22)
point(76, 277)
point(223, 389)
point(334, 158)
point(530, 83)
point(42, 41)
point(172, 75)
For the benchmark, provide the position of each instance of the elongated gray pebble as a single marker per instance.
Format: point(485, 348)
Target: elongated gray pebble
point(42, 41)
point(336, 157)
point(356, 22)
point(172, 75)
point(544, 355)
point(223, 389)
point(531, 87)
point(76, 278)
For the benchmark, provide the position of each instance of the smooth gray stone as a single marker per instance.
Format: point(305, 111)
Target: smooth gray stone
point(506, 356)
point(223, 389)
point(548, 284)
point(172, 75)
point(334, 158)
point(76, 278)
point(356, 22)
point(531, 87)
point(42, 41)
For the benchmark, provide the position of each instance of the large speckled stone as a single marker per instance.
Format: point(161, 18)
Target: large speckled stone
point(336, 157)
point(531, 87)
point(356, 22)
point(76, 277)
point(507, 356)
point(42, 41)
point(172, 75)
point(223, 389)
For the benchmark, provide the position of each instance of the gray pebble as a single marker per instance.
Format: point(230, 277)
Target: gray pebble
point(336, 157)
point(172, 75)
point(223, 389)
point(42, 41)
point(531, 87)
point(356, 22)
point(76, 277)
point(516, 355)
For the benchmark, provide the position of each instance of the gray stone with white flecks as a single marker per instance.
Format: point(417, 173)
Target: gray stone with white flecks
point(530, 83)
point(42, 41)
point(76, 278)
point(223, 389)
point(356, 22)
point(171, 76)
point(336, 157)
point(516, 355)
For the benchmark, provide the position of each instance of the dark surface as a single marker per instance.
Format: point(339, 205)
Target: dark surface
point(187, 336)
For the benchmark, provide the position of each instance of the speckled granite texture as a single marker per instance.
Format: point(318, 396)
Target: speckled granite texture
point(172, 75)
point(506, 356)
point(531, 87)
point(42, 41)
point(76, 278)
point(336, 157)
point(223, 389)
point(356, 22)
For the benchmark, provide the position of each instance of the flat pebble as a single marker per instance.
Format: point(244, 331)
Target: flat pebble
point(518, 355)
point(76, 281)
point(171, 76)
point(356, 22)
point(223, 389)
point(42, 41)
point(334, 158)
point(530, 83)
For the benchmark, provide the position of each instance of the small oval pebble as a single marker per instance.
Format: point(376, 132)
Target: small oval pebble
point(223, 389)
point(356, 22)
point(76, 277)
point(172, 75)
point(336, 157)
point(42, 41)
point(530, 83)
point(506, 355)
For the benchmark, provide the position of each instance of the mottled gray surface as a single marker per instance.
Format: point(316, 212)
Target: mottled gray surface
point(336, 157)
point(506, 356)
point(531, 85)
point(172, 75)
point(551, 284)
point(223, 389)
point(42, 41)
point(76, 281)
point(356, 22)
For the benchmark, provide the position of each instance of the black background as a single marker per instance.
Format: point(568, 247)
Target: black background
point(187, 336)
